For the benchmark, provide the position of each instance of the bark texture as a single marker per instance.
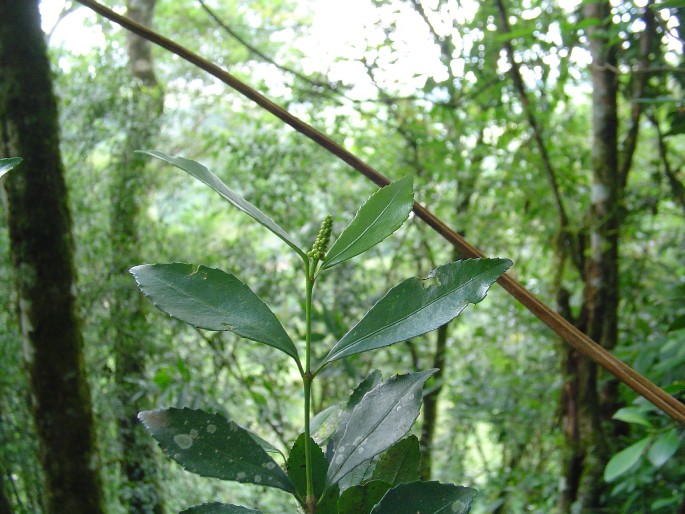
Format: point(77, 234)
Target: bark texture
point(430, 404)
point(140, 492)
point(42, 247)
point(587, 401)
point(5, 505)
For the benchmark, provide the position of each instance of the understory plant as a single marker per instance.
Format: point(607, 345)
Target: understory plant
point(367, 465)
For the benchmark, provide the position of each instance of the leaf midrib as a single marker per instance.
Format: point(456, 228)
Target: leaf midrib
point(215, 309)
point(389, 411)
point(400, 320)
point(389, 204)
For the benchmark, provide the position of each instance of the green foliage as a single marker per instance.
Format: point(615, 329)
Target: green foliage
point(380, 216)
point(379, 413)
point(417, 306)
point(219, 508)
point(7, 164)
point(213, 300)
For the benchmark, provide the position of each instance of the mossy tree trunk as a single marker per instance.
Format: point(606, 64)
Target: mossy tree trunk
point(42, 247)
point(590, 398)
point(5, 505)
point(140, 493)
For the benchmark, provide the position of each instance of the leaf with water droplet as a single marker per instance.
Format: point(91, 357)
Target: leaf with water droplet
point(410, 309)
point(382, 417)
point(426, 498)
point(211, 446)
point(219, 508)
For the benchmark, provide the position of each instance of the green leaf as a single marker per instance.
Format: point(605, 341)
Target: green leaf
point(358, 475)
point(668, 4)
point(401, 463)
point(586, 23)
point(219, 508)
point(297, 470)
point(417, 306)
point(8, 163)
point(625, 459)
point(266, 445)
point(323, 424)
point(663, 448)
point(211, 446)
point(214, 300)
point(381, 418)
point(426, 498)
point(677, 324)
point(328, 504)
point(515, 34)
point(361, 498)
point(201, 173)
point(632, 415)
point(372, 380)
point(382, 214)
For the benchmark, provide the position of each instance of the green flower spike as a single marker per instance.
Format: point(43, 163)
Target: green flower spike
point(318, 251)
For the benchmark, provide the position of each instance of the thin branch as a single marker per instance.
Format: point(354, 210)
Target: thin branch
point(677, 187)
point(69, 7)
point(581, 342)
point(640, 82)
point(567, 237)
point(256, 51)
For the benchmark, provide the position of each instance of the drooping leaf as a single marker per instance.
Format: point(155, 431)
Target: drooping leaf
point(417, 306)
point(381, 215)
point(381, 418)
point(401, 463)
point(201, 173)
point(211, 446)
point(625, 459)
point(8, 163)
point(632, 415)
point(663, 448)
point(214, 300)
point(266, 445)
point(219, 508)
point(426, 498)
point(297, 471)
point(361, 498)
point(677, 324)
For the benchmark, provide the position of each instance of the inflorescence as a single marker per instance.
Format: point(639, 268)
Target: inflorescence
point(318, 251)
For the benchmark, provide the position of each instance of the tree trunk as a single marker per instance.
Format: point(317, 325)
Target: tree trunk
point(41, 246)
point(140, 493)
point(5, 505)
point(430, 404)
point(587, 405)
point(128, 308)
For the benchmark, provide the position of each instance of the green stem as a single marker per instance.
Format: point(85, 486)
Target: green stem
point(307, 384)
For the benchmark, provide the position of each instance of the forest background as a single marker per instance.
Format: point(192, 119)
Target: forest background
point(547, 132)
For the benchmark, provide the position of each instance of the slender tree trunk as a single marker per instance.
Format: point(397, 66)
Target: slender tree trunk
point(430, 404)
point(140, 493)
point(41, 245)
point(588, 405)
point(5, 505)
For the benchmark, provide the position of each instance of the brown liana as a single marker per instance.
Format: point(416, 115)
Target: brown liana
point(581, 342)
